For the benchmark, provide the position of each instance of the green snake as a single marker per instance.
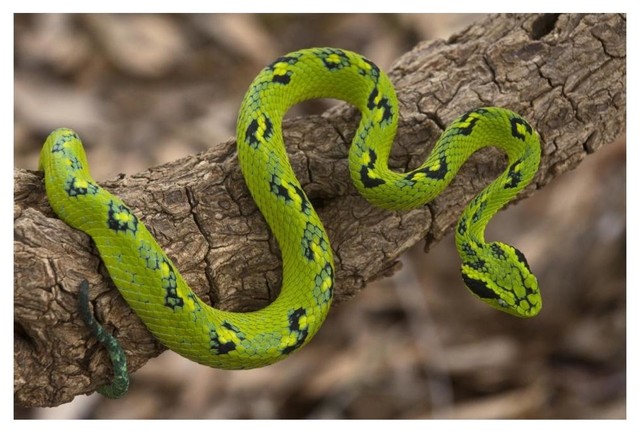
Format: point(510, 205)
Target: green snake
point(151, 284)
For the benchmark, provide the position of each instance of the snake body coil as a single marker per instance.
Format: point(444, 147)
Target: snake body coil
point(152, 285)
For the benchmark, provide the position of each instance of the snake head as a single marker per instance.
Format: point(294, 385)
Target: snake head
point(500, 276)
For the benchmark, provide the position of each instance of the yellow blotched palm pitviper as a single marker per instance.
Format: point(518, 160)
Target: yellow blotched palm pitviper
point(151, 284)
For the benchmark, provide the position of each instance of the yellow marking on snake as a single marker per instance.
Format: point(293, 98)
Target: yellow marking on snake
point(148, 280)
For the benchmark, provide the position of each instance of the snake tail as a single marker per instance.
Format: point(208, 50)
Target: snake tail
point(120, 383)
point(154, 288)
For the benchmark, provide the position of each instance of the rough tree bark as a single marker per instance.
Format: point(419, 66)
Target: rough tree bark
point(565, 73)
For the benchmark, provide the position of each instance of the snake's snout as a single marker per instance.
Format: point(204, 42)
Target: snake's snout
point(501, 277)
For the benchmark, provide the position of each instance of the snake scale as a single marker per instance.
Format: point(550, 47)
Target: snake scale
point(151, 284)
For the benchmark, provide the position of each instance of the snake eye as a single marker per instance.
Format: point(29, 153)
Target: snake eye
point(522, 259)
point(479, 287)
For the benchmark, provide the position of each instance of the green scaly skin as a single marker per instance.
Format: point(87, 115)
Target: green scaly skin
point(151, 284)
point(120, 383)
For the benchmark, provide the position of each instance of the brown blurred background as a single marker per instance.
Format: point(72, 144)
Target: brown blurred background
point(147, 89)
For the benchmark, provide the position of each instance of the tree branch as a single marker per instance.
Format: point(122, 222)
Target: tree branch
point(565, 73)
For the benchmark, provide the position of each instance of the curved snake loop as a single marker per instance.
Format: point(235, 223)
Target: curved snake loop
point(151, 284)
